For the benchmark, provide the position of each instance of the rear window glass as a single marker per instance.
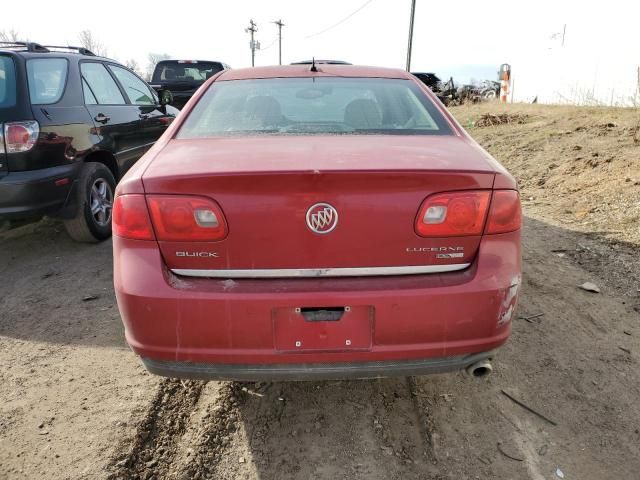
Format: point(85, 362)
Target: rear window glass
point(322, 105)
point(185, 72)
point(7, 82)
point(47, 78)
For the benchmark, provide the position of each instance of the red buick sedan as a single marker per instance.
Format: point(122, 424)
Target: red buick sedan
point(311, 223)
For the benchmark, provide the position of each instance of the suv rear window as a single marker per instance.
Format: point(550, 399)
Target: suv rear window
point(320, 105)
point(185, 71)
point(47, 78)
point(7, 82)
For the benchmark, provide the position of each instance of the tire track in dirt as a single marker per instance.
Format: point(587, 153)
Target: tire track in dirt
point(156, 441)
point(184, 434)
point(210, 433)
point(350, 429)
point(374, 429)
point(424, 419)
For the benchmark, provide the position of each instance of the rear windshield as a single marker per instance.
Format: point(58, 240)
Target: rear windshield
point(47, 78)
point(185, 71)
point(322, 105)
point(7, 82)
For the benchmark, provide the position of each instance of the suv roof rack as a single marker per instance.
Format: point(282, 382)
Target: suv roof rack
point(36, 47)
point(30, 46)
point(80, 50)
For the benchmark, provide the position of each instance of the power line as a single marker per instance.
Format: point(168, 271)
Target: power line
point(341, 21)
point(270, 45)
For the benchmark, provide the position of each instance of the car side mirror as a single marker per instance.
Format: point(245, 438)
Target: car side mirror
point(166, 97)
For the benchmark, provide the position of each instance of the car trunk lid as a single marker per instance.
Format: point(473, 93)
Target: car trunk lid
point(267, 188)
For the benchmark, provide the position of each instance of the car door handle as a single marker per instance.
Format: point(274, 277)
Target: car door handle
point(143, 116)
point(102, 118)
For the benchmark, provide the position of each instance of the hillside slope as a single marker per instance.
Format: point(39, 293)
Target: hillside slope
point(578, 168)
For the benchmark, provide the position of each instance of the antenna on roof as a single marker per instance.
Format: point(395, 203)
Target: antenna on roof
point(313, 65)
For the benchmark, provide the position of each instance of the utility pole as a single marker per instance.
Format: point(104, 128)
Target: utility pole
point(413, 11)
point(252, 28)
point(280, 25)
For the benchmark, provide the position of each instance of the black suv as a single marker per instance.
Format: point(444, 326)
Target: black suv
point(183, 77)
point(71, 124)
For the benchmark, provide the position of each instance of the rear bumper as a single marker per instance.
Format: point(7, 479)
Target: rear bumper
point(312, 371)
point(34, 193)
point(221, 328)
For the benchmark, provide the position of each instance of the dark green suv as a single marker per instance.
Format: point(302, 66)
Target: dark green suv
point(71, 124)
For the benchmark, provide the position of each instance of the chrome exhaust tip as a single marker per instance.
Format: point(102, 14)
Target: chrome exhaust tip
point(480, 369)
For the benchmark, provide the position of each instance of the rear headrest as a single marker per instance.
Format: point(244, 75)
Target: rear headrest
point(363, 113)
point(264, 109)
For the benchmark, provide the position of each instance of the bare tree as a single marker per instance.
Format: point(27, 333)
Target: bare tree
point(90, 43)
point(154, 58)
point(11, 36)
point(133, 65)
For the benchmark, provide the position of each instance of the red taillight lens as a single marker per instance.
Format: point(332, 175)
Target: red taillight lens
point(178, 218)
point(20, 136)
point(131, 218)
point(453, 214)
point(505, 214)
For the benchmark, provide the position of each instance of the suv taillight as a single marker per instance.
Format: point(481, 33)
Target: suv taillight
point(182, 218)
point(20, 136)
point(464, 213)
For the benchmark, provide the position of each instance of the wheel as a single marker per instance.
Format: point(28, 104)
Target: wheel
point(92, 222)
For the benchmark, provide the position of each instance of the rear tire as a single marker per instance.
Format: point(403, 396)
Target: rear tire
point(95, 193)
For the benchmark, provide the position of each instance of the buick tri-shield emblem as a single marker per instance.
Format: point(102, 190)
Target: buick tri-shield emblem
point(322, 218)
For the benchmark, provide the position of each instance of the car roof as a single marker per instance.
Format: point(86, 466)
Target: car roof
point(186, 61)
point(327, 70)
point(318, 62)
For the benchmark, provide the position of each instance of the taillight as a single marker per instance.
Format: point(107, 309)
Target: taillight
point(20, 136)
point(453, 214)
point(505, 214)
point(131, 218)
point(181, 218)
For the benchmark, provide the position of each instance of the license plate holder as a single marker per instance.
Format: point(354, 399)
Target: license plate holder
point(300, 329)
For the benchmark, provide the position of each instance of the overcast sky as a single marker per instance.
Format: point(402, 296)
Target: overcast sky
point(449, 37)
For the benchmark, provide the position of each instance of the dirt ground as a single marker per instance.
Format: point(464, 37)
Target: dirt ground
point(76, 403)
